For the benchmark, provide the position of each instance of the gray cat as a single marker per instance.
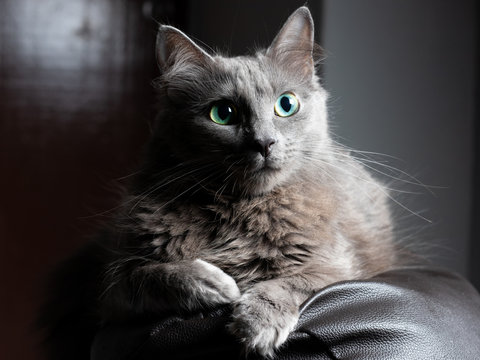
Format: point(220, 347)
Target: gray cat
point(244, 199)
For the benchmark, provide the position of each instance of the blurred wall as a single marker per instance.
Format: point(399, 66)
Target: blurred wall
point(75, 102)
point(402, 77)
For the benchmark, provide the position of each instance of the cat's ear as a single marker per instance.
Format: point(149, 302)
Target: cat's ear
point(294, 44)
point(174, 47)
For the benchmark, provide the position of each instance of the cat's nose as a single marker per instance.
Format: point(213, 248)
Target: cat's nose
point(264, 146)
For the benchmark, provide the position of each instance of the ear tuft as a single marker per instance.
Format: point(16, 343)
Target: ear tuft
point(174, 47)
point(294, 44)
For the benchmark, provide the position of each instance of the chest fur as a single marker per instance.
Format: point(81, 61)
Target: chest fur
point(251, 240)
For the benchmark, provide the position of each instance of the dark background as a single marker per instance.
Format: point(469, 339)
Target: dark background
point(76, 100)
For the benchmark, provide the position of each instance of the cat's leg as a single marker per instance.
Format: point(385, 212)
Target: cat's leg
point(265, 314)
point(183, 286)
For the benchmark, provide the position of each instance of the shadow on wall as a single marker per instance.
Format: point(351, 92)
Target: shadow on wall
point(234, 26)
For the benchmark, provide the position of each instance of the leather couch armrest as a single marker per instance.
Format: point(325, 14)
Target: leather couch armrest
point(412, 313)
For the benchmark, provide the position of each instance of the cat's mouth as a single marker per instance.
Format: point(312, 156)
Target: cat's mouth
point(269, 167)
point(265, 167)
point(256, 169)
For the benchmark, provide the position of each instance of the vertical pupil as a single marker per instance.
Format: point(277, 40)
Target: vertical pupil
point(224, 111)
point(285, 103)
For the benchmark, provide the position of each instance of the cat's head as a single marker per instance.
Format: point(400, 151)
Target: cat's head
point(246, 123)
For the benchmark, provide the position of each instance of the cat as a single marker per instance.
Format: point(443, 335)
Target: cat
point(243, 199)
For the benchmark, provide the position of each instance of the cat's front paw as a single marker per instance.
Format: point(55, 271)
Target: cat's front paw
point(262, 324)
point(209, 286)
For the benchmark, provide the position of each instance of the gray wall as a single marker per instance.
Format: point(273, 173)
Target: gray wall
point(401, 77)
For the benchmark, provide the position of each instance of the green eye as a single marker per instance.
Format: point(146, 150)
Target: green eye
point(223, 113)
point(286, 105)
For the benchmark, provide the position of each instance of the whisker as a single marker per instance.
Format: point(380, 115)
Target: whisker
point(153, 189)
point(381, 188)
point(181, 194)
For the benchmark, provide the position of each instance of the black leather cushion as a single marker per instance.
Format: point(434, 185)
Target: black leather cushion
point(414, 313)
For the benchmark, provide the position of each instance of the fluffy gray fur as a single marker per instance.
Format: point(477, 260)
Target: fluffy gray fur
point(214, 218)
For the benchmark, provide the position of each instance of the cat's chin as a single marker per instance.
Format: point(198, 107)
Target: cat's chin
point(264, 180)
